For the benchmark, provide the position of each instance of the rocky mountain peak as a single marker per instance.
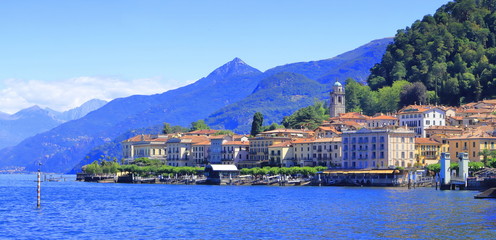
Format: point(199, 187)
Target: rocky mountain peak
point(233, 68)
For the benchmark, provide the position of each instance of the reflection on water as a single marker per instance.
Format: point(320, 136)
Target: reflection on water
point(112, 211)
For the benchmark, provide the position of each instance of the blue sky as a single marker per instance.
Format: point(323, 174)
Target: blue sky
point(59, 54)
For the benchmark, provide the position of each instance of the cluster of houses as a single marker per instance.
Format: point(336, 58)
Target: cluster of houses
point(414, 136)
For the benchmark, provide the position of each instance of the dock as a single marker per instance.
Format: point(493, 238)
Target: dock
point(489, 193)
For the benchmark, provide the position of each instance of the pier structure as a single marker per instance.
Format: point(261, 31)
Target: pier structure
point(449, 179)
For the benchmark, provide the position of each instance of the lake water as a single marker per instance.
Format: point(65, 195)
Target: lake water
point(78, 210)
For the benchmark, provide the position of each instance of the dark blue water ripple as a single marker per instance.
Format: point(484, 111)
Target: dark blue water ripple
point(74, 210)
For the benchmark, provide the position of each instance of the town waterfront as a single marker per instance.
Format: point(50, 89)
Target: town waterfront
point(79, 210)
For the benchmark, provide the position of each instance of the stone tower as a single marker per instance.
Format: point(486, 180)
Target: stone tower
point(337, 100)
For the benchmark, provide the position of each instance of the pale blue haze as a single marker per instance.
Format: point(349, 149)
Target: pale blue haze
point(75, 210)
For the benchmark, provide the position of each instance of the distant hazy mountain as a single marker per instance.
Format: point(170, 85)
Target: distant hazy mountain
point(25, 123)
point(63, 147)
point(354, 64)
point(82, 110)
point(31, 121)
point(229, 95)
point(275, 97)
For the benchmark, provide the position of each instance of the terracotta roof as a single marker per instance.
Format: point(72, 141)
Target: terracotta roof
point(352, 115)
point(483, 116)
point(282, 144)
point(417, 109)
point(303, 140)
point(475, 110)
point(490, 101)
point(425, 141)
point(218, 137)
point(202, 143)
point(147, 138)
point(457, 118)
point(444, 128)
point(193, 139)
point(352, 123)
point(383, 117)
point(244, 143)
point(336, 139)
point(328, 128)
point(204, 132)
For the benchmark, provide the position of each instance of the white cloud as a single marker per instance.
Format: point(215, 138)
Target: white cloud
point(66, 94)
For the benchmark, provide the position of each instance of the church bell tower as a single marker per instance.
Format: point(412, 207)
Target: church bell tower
point(337, 100)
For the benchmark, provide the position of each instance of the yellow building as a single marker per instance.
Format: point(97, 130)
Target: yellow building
point(471, 144)
point(145, 146)
point(427, 151)
point(281, 155)
point(302, 149)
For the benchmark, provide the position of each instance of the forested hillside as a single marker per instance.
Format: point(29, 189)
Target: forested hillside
point(452, 52)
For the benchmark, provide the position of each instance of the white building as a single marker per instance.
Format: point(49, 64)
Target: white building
point(420, 117)
point(234, 152)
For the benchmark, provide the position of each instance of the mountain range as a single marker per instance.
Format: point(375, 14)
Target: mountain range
point(226, 98)
point(31, 121)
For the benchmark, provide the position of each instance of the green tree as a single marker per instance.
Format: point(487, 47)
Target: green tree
point(486, 154)
point(389, 97)
point(224, 132)
point(451, 52)
point(199, 125)
point(475, 166)
point(434, 167)
point(167, 128)
point(413, 93)
point(273, 126)
point(256, 125)
point(308, 117)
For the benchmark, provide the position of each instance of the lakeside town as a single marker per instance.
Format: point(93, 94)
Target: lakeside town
point(349, 142)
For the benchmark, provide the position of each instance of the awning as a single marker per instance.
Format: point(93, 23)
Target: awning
point(223, 167)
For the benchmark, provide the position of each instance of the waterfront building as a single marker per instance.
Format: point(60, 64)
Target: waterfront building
point(145, 146)
point(337, 102)
point(259, 150)
point(420, 117)
point(302, 149)
point(234, 152)
point(200, 153)
point(427, 151)
point(179, 150)
point(378, 148)
point(281, 155)
point(326, 152)
point(259, 145)
point(215, 156)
